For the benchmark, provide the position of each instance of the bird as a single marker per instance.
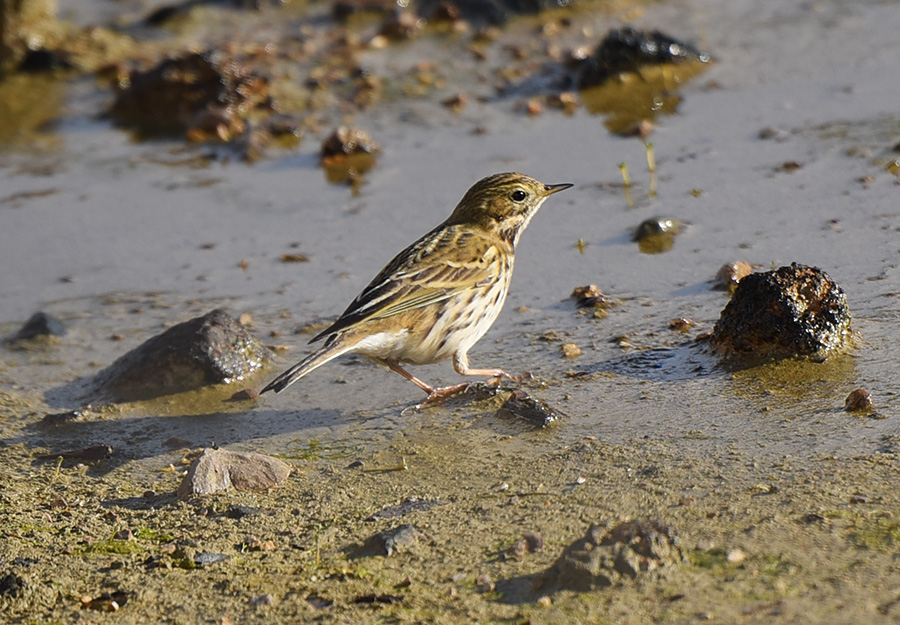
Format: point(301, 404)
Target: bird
point(441, 294)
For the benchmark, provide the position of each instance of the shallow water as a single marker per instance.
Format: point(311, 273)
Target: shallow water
point(103, 214)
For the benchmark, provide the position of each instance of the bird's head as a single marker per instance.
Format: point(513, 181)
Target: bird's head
point(503, 203)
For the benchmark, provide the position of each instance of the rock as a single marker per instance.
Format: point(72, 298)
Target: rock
point(23, 24)
point(730, 274)
point(604, 557)
point(487, 11)
point(219, 469)
point(212, 349)
point(204, 96)
point(402, 538)
point(402, 26)
point(39, 327)
point(521, 405)
point(590, 296)
point(345, 141)
point(11, 585)
point(95, 453)
point(859, 400)
point(347, 154)
point(206, 558)
point(791, 311)
point(530, 542)
point(657, 234)
point(626, 50)
point(342, 10)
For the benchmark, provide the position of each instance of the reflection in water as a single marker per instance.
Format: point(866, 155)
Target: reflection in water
point(28, 103)
point(629, 98)
point(798, 379)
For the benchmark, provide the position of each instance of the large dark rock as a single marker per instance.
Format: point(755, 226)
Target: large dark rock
point(626, 50)
point(212, 349)
point(791, 311)
point(207, 96)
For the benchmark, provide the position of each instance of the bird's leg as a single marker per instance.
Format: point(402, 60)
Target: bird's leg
point(393, 366)
point(434, 394)
point(461, 365)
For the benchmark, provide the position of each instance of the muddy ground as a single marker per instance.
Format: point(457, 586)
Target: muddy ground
point(785, 505)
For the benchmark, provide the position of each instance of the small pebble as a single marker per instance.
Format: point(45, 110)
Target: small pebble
point(858, 400)
point(246, 394)
point(484, 583)
point(262, 600)
point(729, 274)
point(735, 556)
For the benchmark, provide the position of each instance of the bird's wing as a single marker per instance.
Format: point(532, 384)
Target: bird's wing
point(441, 264)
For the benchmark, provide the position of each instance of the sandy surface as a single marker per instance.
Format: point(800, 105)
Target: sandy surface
point(114, 237)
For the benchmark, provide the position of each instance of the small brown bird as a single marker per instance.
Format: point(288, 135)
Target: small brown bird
point(440, 295)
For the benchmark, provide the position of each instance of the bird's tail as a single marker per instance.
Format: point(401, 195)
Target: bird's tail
point(329, 351)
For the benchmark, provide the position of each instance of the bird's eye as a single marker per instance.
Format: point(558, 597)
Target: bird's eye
point(518, 195)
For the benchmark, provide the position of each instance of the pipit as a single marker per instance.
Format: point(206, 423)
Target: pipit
point(440, 295)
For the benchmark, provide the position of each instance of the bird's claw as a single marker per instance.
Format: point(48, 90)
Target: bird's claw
point(503, 375)
point(438, 395)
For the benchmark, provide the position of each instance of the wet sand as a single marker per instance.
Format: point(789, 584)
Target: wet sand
point(123, 238)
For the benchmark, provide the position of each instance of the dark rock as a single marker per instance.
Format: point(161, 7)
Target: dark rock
point(347, 154)
point(521, 405)
point(11, 585)
point(657, 234)
point(606, 557)
point(791, 311)
point(206, 96)
point(626, 50)
point(382, 599)
point(402, 537)
point(345, 141)
point(23, 22)
point(94, 453)
point(589, 296)
point(344, 9)
point(239, 512)
point(488, 11)
point(218, 469)
point(43, 60)
point(401, 26)
point(106, 602)
point(212, 349)
point(41, 325)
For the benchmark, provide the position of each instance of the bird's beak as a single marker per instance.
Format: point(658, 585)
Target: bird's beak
point(550, 189)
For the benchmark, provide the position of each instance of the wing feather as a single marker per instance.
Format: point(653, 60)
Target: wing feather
point(443, 263)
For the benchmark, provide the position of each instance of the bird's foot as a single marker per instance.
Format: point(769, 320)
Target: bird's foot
point(498, 378)
point(438, 395)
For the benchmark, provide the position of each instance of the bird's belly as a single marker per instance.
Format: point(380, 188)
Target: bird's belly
point(464, 321)
point(435, 334)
